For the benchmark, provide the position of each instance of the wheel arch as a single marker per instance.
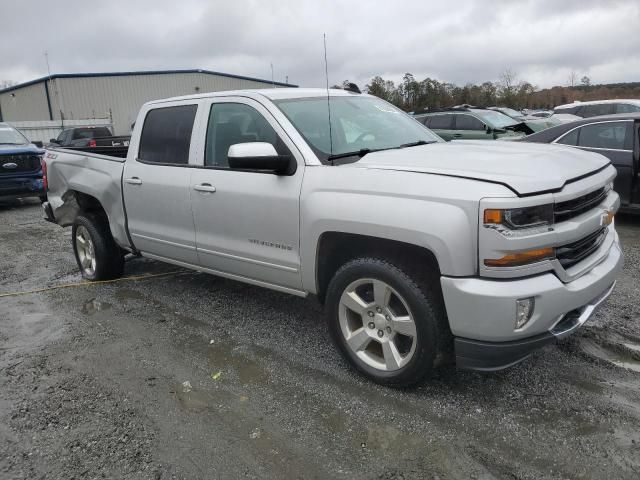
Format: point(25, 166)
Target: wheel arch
point(334, 249)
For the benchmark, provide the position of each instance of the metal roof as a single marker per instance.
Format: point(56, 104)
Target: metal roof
point(143, 72)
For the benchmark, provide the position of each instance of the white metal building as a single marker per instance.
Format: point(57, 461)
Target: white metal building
point(114, 96)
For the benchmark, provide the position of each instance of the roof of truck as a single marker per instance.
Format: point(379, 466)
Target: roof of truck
point(271, 93)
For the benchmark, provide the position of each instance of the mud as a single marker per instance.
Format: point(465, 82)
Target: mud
point(92, 384)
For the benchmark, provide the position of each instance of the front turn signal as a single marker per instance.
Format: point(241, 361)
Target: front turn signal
point(521, 258)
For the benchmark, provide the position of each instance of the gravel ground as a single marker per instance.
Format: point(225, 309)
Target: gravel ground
point(191, 376)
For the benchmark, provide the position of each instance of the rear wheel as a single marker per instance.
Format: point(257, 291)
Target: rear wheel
point(387, 323)
point(97, 254)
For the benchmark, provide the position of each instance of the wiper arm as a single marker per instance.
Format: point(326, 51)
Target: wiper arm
point(415, 144)
point(360, 153)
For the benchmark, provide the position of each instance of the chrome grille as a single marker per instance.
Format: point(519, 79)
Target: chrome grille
point(577, 206)
point(572, 253)
point(19, 163)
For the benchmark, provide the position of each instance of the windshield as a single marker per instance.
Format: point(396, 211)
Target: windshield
point(10, 136)
point(358, 124)
point(495, 119)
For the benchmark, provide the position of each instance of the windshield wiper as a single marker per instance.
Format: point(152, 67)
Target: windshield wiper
point(360, 153)
point(11, 143)
point(415, 144)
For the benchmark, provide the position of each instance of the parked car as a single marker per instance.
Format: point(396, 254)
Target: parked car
point(20, 167)
point(463, 123)
point(418, 248)
point(615, 137)
point(599, 107)
point(100, 138)
point(534, 123)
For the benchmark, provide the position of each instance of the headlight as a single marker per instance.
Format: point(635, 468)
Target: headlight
point(519, 218)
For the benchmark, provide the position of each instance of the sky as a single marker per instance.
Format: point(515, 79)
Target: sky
point(541, 41)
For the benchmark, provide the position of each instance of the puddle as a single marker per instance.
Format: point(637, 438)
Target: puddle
point(225, 357)
point(193, 399)
point(621, 359)
point(94, 306)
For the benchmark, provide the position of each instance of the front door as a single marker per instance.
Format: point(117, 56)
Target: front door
point(156, 185)
point(247, 222)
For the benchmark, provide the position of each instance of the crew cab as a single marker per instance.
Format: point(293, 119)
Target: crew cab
point(20, 165)
point(421, 251)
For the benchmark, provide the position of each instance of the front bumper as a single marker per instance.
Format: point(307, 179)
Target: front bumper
point(482, 312)
point(18, 187)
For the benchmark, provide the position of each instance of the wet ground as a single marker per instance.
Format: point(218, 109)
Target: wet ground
point(190, 376)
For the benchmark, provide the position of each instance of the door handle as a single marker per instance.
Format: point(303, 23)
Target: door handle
point(457, 135)
point(133, 181)
point(205, 187)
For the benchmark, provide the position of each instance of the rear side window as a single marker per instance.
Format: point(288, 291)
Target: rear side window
point(166, 135)
point(467, 122)
point(441, 122)
point(627, 108)
point(595, 110)
point(609, 135)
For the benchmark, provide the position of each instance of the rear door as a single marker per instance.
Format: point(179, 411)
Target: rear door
point(469, 127)
point(247, 222)
point(156, 184)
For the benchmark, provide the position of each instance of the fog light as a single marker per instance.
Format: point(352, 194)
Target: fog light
point(524, 310)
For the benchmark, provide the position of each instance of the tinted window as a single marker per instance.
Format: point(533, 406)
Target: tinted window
point(441, 122)
point(627, 108)
point(570, 138)
point(603, 135)
point(595, 110)
point(467, 122)
point(166, 135)
point(90, 132)
point(231, 123)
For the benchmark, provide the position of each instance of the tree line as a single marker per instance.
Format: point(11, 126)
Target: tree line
point(411, 94)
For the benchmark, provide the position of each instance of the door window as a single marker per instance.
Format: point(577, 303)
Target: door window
point(166, 135)
point(467, 122)
point(232, 123)
point(609, 135)
point(441, 122)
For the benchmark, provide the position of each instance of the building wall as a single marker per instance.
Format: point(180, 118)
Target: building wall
point(115, 97)
point(28, 103)
point(121, 97)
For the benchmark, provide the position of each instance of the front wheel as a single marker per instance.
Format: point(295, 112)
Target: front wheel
point(387, 323)
point(97, 254)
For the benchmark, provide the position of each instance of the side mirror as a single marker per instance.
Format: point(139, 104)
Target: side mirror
point(259, 156)
point(53, 140)
point(37, 143)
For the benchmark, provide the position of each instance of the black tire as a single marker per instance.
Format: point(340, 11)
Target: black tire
point(423, 297)
point(109, 260)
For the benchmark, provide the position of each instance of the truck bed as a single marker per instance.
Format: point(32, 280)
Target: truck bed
point(119, 151)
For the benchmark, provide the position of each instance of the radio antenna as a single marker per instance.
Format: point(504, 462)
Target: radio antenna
point(326, 76)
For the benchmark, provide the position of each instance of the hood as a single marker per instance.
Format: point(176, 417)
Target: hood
point(20, 150)
point(526, 168)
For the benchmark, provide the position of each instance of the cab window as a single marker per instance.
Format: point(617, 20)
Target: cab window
point(467, 122)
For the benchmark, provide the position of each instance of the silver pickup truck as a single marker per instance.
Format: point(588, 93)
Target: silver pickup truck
point(421, 251)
